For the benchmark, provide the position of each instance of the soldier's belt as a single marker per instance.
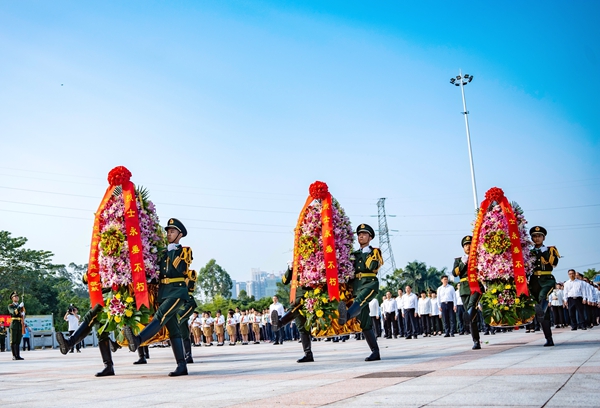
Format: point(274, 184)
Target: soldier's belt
point(191, 293)
point(464, 279)
point(365, 275)
point(541, 273)
point(16, 318)
point(167, 281)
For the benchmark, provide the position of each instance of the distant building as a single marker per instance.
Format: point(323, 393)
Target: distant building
point(239, 286)
point(233, 289)
point(263, 284)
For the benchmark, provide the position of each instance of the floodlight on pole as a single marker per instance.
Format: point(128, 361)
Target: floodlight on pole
point(461, 81)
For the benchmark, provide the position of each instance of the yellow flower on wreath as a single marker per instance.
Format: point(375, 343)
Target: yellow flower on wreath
point(319, 313)
point(118, 319)
point(118, 296)
point(129, 299)
point(324, 299)
point(495, 301)
point(507, 286)
point(517, 301)
point(505, 307)
point(128, 313)
point(317, 291)
point(494, 291)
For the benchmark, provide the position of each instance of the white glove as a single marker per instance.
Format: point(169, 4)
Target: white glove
point(464, 258)
point(290, 264)
point(21, 304)
point(366, 250)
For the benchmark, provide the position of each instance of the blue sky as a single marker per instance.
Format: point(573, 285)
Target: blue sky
point(227, 111)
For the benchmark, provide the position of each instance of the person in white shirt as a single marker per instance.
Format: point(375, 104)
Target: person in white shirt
point(400, 321)
point(207, 329)
point(390, 312)
point(374, 314)
point(220, 328)
point(238, 317)
point(277, 308)
point(590, 301)
point(424, 310)
point(573, 299)
point(244, 328)
point(447, 298)
point(72, 317)
point(409, 312)
point(232, 323)
point(195, 324)
point(556, 302)
point(435, 318)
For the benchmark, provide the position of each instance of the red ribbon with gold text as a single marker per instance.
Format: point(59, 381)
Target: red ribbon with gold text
point(93, 274)
point(134, 239)
point(515, 249)
point(329, 254)
point(497, 195)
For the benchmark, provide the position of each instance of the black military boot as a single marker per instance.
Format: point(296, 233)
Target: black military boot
point(281, 322)
point(16, 352)
point(346, 314)
point(187, 346)
point(149, 331)
point(146, 352)
point(104, 347)
point(177, 346)
point(66, 344)
point(114, 346)
point(306, 346)
point(547, 333)
point(141, 355)
point(372, 342)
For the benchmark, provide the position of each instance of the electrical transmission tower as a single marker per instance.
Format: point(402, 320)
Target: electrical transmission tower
point(389, 265)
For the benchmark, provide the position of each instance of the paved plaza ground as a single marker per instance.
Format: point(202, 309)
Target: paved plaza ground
point(512, 369)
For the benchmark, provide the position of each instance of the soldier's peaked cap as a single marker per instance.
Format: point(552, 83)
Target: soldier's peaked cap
point(366, 228)
point(178, 225)
point(13, 294)
point(538, 230)
point(466, 240)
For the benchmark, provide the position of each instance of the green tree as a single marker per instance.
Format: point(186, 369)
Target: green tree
point(213, 280)
point(283, 293)
point(393, 281)
point(590, 274)
point(412, 275)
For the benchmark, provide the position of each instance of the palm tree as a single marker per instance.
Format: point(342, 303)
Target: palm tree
point(413, 274)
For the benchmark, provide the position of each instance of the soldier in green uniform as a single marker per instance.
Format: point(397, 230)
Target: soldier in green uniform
point(470, 300)
point(365, 286)
point(294, 314)
point(542, 282)
point(185, 312)
point(86, 324)
point(172, 294)
point(2, 338)
point(16, 311)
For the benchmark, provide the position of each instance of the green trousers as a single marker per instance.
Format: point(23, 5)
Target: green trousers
point(364, 291)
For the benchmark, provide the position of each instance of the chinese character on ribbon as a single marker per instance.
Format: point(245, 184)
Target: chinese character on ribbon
point(330, 265)
point(518, 264)
point(135, 249)
point(140, 287)
point(329, 249)
point(514, 236)
point(333, 281)
point(326, 206)
point(93, 266)
point(94, 286)
point(138, 267)
point(516, 250)
point(327, 234)
point(512, 221)
point(326, 219)
point(133, 232)
point(520, 279)
point(130, 213)
point(128, 197)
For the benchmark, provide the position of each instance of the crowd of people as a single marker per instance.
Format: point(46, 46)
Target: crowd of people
point(575, 303)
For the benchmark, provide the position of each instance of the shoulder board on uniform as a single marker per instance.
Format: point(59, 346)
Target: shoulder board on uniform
point(185, 256)
point(554, 255)
point(374, 256)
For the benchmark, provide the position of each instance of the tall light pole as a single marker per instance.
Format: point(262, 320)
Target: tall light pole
point(462, 81)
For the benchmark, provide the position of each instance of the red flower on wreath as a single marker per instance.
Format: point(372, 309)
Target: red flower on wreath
point(494, 194)
point(318, 190)
point(118, 176)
